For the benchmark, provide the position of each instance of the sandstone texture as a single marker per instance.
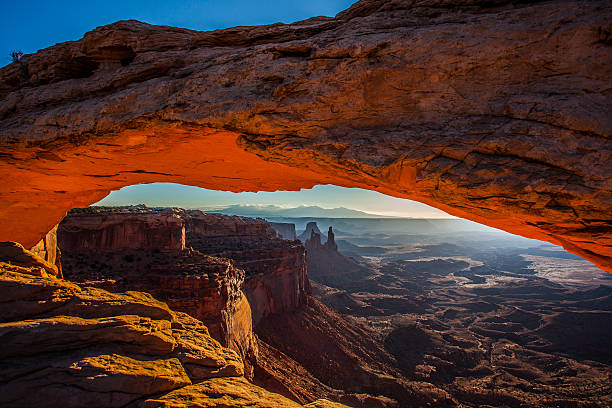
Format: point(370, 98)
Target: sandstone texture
point(163, 231)
point(15, 254)
point(48, 250)
point(230, 273)
point(209, 288)
point(221, 393)
point(495, 111)
point(64, 345)
point(137, 248)
point(276, 279)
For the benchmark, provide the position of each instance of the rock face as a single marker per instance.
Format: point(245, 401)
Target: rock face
point(285, 230)
point(111, 232)
point(496, 112)
point(116, 249)
point(276, 276)
point(248, 258)
point(328, 266)
point(15, 254)
point(207, 280)
point(311, 228)
point(69, 346)
point(48, 250)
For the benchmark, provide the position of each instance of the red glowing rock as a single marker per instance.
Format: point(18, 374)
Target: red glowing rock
point(497, 114)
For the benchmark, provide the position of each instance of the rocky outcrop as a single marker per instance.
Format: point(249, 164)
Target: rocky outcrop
point(218, 230)
point(48, 250)
point(311, 228)
point(331, 240)
point(498, 112)
point(276, 278)
point(328, 266)
point(226, 392)
point(146, 230)
point(15, 254)
point(285, 230)
point(229, 392)
point(207, 280)
point(69, 346)
point(115, 249)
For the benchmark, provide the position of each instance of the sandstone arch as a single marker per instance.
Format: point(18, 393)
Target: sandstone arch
point(495, 112)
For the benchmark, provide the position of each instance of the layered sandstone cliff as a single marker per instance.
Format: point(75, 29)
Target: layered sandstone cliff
point(326, 265)
point(109, 231)
point(207, 279)
point(276, 276)
point(144, 249)
point(69, 346)
point(285, 230)
point(249, 258)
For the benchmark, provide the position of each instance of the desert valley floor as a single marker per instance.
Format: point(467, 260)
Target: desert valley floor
point(373, 313)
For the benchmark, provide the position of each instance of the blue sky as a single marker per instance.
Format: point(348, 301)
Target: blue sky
point(165, 194)
point(33, 25)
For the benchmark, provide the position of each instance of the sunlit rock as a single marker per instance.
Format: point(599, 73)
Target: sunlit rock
point(498, 114)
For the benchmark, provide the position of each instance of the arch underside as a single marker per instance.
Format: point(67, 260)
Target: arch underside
point(501, 117)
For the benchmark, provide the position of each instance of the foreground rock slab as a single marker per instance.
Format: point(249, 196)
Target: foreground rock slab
point(221, 392)
point(493, 111)
point(68, 346)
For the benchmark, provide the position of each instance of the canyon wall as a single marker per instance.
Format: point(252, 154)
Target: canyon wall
point(285, 230)
point(70, 346)
point(498, 112)
point(234, 274)
point(144, 249)
point(228, 272)
point(276, 277)
point(110, 231)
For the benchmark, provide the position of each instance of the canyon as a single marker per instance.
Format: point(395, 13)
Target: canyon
point(496, 112)
point(195, 262)
point(70, 346)
point(240, 279)
point(245, 283)
point(251, 290)
point(389, 333)
point(476, 318)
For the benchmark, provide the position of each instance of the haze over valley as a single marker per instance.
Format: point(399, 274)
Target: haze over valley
point(423, 311)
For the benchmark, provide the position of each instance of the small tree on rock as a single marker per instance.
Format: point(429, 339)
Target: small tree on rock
point(16, 55)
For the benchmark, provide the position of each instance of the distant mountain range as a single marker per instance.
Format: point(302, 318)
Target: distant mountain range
point(265, 211)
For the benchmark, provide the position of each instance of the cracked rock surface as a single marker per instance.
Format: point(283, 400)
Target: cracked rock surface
point(498, 112)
